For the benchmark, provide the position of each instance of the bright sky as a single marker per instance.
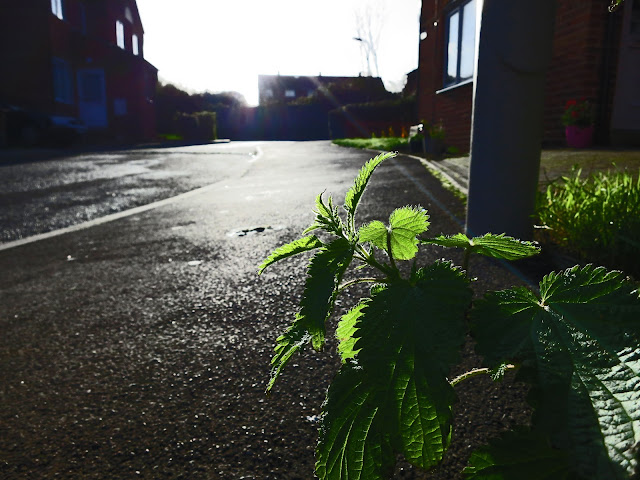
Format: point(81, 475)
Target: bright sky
point(220, 45)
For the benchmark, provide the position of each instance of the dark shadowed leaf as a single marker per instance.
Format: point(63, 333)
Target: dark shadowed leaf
point(578, 346)
point(517, 456)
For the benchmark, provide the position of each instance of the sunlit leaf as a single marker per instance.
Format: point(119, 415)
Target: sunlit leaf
point(327, 217)
point(354, 194)
point(490, 245)
point(393, 395)
point(346, 329)
point(298, 246)
point(324, 275)
point(405, 224)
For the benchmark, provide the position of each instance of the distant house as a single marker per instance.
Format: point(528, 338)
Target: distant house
point(79, 58)
point(287, 88)
point(596, 55)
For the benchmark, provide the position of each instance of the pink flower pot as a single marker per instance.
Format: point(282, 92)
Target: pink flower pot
point(579, 137)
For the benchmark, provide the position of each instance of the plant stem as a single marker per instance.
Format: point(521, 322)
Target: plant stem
point(475, 372)
point(465, 260)
point(362, 280)
point(393, 263)
point(370, 260)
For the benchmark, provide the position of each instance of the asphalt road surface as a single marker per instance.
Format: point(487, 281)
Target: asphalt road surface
point(140, 347)
point(37, 197)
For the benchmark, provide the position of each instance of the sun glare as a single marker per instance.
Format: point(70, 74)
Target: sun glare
point(224, 46)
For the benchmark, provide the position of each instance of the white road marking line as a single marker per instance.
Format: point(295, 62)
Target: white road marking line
point(105, 219)
point(116, 216)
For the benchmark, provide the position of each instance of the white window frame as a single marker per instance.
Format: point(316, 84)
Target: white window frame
point(135, 46)
point(290, 93)
point(62, 81)
point(120, 34)
point(56, 9)
point(462, 49)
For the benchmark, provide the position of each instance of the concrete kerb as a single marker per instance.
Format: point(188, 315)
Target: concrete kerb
point(459, 180)
point(457, 177)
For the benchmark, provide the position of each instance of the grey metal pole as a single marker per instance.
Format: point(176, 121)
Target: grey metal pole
point(513, 53)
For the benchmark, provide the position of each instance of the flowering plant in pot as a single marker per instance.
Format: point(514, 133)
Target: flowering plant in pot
point(435, 138)
point(578, 121)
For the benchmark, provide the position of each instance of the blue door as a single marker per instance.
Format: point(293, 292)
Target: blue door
point(92, 98)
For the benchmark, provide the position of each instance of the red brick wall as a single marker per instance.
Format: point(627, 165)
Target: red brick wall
point(579, 52)
point(577, 68)
point(32, 36)
point(453, 106)
point(25, 54)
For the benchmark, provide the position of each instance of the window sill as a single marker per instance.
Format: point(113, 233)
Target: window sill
point(453, 87)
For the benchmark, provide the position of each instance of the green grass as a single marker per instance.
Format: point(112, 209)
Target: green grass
point(388, 144)
point(595, 217)
point(170, 136)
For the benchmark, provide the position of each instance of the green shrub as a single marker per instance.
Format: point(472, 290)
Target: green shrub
point(596, 218)
point(199, 126)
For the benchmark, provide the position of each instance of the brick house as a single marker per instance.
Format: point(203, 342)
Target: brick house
point(288, 88)
point(595, 56)
point(79, 58)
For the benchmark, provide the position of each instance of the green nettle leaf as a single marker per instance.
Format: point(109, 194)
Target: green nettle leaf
point(579, 346)
point(518, 456)
point(346, 329)
point(354, 194)
point(490, 245)
point(376, 233)
point(392, 395)
point(405, 224)
point(327, 217)
point(298, 246)
point(325, 272)
point(287, 344)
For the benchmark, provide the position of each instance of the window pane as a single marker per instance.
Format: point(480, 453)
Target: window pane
point(467, 51)
point(134, 44)
point(120, 34)
point(452, 48)
point(56, 8)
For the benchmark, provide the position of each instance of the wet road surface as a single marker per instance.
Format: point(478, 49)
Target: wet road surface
point(140, 348)
point(38, 197)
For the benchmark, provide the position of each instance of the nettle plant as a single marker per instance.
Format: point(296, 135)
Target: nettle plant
point(576, 344)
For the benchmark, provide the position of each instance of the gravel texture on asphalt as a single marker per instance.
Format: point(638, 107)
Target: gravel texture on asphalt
point(152, 365)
